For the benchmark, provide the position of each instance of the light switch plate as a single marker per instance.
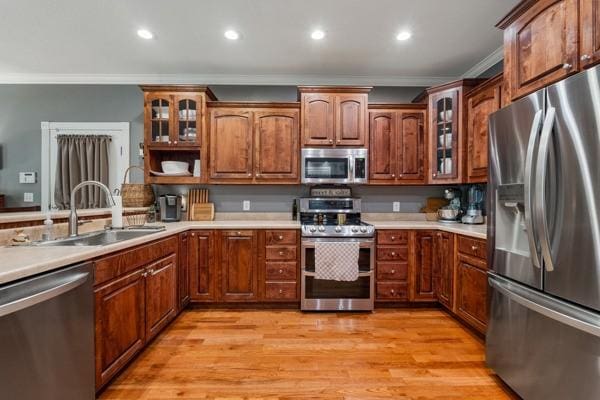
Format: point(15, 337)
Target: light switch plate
point(27, 177)
point(28, 197)
point(396, 206)
point(246, 205)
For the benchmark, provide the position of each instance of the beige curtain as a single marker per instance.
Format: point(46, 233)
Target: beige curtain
point(81, 158)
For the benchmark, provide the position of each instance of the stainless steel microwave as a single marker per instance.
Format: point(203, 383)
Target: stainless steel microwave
point(343, 166)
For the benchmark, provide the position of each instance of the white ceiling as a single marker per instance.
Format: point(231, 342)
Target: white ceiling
point(95, 41)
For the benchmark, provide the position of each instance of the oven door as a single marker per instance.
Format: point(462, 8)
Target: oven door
point(326, 295)
point(327, 166)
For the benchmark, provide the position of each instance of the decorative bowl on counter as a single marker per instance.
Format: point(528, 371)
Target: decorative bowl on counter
point(448, 213)
point(175, 167)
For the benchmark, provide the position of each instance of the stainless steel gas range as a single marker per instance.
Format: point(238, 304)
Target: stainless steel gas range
point(326, 218)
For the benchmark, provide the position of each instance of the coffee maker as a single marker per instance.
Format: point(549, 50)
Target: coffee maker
point(474, 213)
point(170, 207)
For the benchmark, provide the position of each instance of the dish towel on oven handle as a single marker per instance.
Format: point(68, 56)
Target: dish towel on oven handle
point(337, 261)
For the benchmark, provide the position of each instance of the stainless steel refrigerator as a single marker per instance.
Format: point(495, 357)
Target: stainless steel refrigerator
point(543, 335)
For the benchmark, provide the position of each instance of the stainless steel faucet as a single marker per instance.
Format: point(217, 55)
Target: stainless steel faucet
point(73, 220)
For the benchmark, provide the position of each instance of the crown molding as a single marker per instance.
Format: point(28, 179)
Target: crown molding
point(485, 64)
point(221, 79)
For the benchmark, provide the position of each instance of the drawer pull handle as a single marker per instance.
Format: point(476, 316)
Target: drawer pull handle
point(585, 57)
point(392, 291)
point(281, 271)
point(281, 253)
point(280, 291)
point(393, 271)
point(239, 233)
point(280, 237)
point(474, 248)
point(567, 66)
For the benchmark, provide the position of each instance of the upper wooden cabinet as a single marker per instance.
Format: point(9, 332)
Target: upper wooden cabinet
point(541, 43)
point(334, 116)
point(589, 15)
point(481, 102)
point(254, 143)
point(397, 144)
point(175, 129)
point(446, 137)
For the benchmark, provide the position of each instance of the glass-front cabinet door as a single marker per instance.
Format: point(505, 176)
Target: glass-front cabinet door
point(187, 115)
point(444, 126)
point(158, 112)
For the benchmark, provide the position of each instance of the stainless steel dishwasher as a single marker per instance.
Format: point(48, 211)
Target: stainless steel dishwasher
point(47, 336)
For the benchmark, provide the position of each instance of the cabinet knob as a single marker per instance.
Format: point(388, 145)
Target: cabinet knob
point(239, 233)
point(474, 248)
point(193, 234)
point(393, 271)
point(169, 142)
point(249, 174)
point(280, 237)
point(281, 271)
point(393, 254)
point(175, 142)
point(338, 140)
point(392, 291)
point(330, 140)
point(567, 66)
point(393, 238)
point(280, 291)
point(434, 175)
point(281, 253)
point(585, 57)
point(144, 274)
point(400, 175)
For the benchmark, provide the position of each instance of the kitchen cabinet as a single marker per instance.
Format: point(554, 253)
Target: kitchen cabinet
point(482, 101)
point(120, 331)
point(202, 266)
point(135, 296)
point(161, 294)
point(445, 269)
point(541, 43)
point(391, 255)
point(447, 136)
point(397, 145)
point(239, 272)
point(175, 129)
point(334, 116)
point(279, 259)
point(422, 271)
point(183, 272)
point(471, 282)
point(589, 28)
point(254, 143)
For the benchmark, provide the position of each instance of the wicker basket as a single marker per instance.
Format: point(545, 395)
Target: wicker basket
point(136, 194)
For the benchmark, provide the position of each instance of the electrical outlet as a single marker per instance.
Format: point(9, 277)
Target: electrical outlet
point(28, 197)
point(396, 206)
point(246, 205)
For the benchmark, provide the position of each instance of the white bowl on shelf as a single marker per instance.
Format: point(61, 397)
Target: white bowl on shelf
point(174, 167)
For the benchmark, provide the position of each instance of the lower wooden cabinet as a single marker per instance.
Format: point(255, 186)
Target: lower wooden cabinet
point(203, 266)
point(471, 297)
point(445, 269)
point(422, 280)
point(161, 294)
point(239, 272)
point(134, 298)
point(392, 256)
point(120, 330)
point(278, 258)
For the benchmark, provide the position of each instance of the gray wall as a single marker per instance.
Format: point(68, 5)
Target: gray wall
point(25, 106)
point(272, 198)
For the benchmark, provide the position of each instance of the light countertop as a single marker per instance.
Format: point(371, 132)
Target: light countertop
point(23, 261)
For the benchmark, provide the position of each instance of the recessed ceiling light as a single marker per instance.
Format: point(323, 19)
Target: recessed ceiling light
point(232, 35)
point(145, 34)
point(404, 35)
point(317, 34)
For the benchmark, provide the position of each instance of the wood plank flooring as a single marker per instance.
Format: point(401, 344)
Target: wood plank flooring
point(276, 355)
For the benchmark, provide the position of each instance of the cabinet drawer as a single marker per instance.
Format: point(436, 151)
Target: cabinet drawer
point(387, 271)
point(392, 237)
point(280, 237)
point(281, 253)
point(392, 291)
point(472, 247)
point(280, 291)
point(392, 253)
point(281, 271)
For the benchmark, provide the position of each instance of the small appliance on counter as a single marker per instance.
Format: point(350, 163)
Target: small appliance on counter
point(451, 213)
point(170, 208)
point(474, 214)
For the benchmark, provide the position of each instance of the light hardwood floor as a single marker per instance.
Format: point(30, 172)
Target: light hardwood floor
point(389, 354)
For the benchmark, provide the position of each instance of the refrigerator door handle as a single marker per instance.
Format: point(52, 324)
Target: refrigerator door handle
point(567, 314)
point(540, 187)
point(528, 186)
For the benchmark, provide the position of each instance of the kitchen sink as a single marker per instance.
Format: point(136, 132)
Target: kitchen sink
point(101, 238)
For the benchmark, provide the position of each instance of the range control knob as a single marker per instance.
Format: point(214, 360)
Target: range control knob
point(321, 228)
point(338, 229)
point(354, 229)
point(312, 229)
point(363, 229)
